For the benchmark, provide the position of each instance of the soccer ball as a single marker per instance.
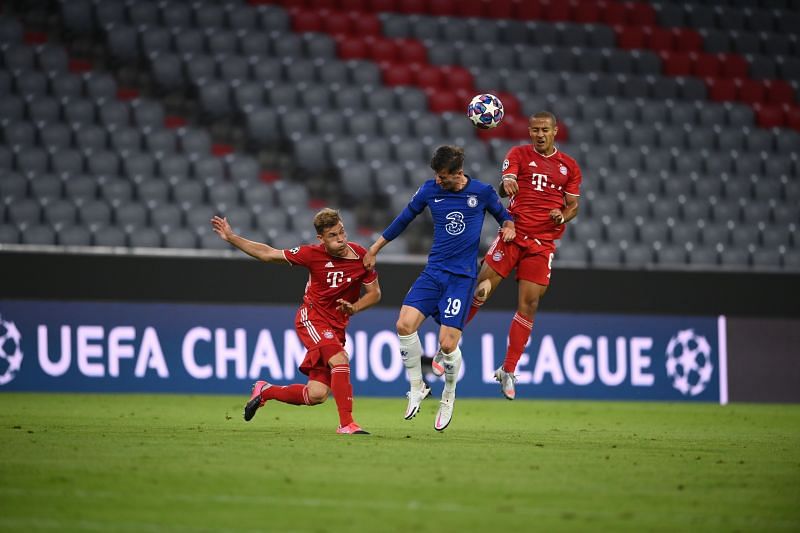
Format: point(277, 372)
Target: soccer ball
point(689, 362)
point(10, 351)
point(485, 111)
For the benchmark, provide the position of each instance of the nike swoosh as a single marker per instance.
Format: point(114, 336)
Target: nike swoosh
point(437, 200)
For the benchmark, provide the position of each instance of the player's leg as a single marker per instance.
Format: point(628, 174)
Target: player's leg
point(294, 394)
point(342, 388)
point(408, 324)
point(498, 263)
point(533, 275)
point(452, 316)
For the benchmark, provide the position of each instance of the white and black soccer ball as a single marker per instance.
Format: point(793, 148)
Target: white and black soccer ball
point(689, 362)
point(485, 111)
point(10, 351)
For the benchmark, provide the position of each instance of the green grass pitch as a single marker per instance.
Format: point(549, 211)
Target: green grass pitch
point(82, 462)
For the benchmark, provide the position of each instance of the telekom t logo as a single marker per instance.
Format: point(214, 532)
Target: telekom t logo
point(335, 278)
point(539, 181)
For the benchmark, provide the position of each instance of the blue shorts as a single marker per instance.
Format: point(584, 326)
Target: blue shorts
point(444, 296)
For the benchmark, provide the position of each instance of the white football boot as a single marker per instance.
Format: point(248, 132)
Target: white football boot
point(507, 382)
point(445, 412)
point(415, 398)
point(437, 366)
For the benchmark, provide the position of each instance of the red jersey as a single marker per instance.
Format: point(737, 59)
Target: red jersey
point(543, 181)
point(331, 278)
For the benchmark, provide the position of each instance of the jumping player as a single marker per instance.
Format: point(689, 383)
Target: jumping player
point(458, 205)
point(332, 295)
point(544, 186)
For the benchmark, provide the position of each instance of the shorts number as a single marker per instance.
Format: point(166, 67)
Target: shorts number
point(453, 307)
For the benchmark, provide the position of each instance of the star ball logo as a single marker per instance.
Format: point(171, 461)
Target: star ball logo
point(10, 351)
point(689, 362)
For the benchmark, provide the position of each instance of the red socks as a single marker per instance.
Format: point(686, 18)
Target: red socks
point(518, 335)
point(476, 304)
point(294, 394)
point(342, 393)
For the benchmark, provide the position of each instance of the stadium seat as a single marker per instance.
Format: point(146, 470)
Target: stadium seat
point(110, 236)
point(74, 236)
point(39, 234)
point(146, 238)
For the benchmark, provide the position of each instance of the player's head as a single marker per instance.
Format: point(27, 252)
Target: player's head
point(330, 231)
point(448, 163)
point(542, 127)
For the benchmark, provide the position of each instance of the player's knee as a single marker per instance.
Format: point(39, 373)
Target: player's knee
point(483, 290)
point(339, 359)
point(404, 328)
point(448, 345)
point(316, 395)
point(528, 304)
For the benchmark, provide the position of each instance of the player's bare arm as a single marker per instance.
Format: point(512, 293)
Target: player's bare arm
point(370, 257)
point(507, 231)
point(508, 185)
point(260, 251)
point(568, 212)
point(371, 296)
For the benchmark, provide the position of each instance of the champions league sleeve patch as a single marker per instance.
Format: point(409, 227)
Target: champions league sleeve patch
point(505, 165)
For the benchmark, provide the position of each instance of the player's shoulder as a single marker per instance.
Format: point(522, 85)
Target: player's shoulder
point(476, 186)
point(357, 248)
point(566, 158)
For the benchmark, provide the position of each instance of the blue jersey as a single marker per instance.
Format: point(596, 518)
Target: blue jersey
point(457, 222)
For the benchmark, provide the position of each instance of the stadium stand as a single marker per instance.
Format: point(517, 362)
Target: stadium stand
point(684, 117)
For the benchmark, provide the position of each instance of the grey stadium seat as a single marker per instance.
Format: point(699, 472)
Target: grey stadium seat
point(95, 213)
point(116, 190)
point(39, 234)
point(145, 237)
point(110, 236)
point(168, 215)
point(26, 211)
point(74, 236)
point(181, 238)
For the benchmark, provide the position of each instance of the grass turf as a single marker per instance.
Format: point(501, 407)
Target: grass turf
point(76, 462)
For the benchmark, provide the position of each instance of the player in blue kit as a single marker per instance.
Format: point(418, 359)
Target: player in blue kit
point(444, 288)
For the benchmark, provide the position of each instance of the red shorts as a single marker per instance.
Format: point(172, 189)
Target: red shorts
point(322, 342)
point(532, 258)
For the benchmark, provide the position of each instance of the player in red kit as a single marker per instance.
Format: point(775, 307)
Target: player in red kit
point(544, 186)
point(332, 295)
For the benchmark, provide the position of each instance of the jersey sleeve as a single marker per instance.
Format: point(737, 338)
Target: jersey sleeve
point(414, 208)
point(573, 186)
point(299, 255)
point(511, 163)
point(371, 276)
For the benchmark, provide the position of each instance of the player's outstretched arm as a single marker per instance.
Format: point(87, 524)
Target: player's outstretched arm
point(260, 251)
point(371, 296)
point(371, 257)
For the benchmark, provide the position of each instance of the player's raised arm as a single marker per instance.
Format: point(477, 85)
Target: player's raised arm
point(260, 251)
